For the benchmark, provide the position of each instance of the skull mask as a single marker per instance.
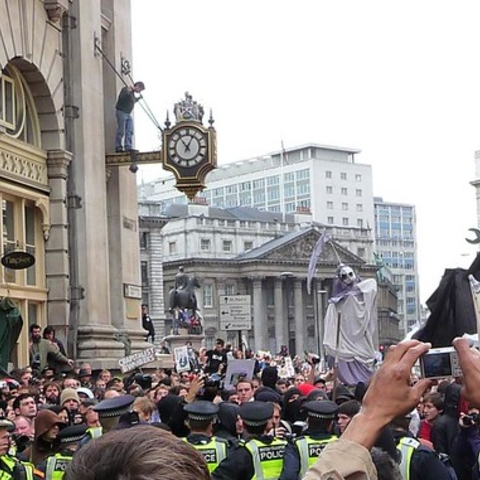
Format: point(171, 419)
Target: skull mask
point(347, 275)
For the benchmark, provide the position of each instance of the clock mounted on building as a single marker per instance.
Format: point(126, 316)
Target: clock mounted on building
point(189, 149)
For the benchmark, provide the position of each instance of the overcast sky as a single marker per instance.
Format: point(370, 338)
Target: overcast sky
point(398, 80)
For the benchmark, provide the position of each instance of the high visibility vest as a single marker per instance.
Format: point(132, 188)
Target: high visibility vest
point(407, 446)
point(9, 465)
point(267, 458)
point(56, 466)
point(213, 452)
point(309, 450)
point(95, 432)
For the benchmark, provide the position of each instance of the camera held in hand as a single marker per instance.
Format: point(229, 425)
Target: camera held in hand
point(469, 420)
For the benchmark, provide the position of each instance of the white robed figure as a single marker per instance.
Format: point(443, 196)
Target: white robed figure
point(350, 326)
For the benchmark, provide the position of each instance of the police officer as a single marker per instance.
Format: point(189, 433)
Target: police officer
point(109, 413)
point(416, 461)
point(303, 451)
point(69, 437)
point(10, 467)
point(259, 456)
point(200, 417)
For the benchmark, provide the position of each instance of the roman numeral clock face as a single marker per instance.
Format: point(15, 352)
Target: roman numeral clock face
point(187, 147)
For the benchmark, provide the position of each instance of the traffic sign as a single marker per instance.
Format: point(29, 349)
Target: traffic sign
point(235, 312)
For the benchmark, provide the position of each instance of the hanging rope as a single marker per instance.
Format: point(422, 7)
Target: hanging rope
point(125, 65)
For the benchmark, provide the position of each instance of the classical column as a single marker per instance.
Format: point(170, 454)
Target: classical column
point(279, 314)
point(299, 316)
point(55, 232)
point(259, 316)
point(155, 274)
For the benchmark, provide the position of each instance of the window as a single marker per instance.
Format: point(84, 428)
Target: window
point(330, 205)
point(359, 222)
point(359, 207)
point(330, 220)
point(227, 245)
point(344, 191)
point(328, 174)
point(207, 295)
point(144, 240)
point(358, 177)
point(205, 244)
point(345, 221)
point(343, 175)
point(358, 192)
point(144, 273)
point(30, 227)
point(329, 189)
point(230, 289)
point(344, 206)
point(247, 245)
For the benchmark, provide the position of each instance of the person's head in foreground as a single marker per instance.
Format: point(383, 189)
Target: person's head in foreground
point(146, 452)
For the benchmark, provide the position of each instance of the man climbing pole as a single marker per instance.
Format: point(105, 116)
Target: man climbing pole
point(124, 107)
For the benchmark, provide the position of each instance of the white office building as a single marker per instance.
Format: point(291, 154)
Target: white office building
point(322, 180)
point(396, 243)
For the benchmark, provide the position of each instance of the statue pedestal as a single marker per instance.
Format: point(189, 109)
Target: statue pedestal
point(175, 341)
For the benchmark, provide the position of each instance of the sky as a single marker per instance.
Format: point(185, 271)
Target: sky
point(398, 80)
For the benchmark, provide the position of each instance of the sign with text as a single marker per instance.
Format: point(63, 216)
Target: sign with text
point(182, 359)
point(138, 359)
point(235, 312)
point(237, 369)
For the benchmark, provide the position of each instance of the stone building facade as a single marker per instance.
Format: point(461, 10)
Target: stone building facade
point(57, 122)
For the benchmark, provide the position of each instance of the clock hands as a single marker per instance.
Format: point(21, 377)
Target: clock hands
point(186, 145)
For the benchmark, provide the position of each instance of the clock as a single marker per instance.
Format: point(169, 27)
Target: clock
point(187, 146)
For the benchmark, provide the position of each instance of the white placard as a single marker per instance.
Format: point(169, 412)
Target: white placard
point(127, 364)
point(237, 369)
point(182, 359)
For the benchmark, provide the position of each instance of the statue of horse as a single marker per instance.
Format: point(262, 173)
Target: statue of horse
point(184, 298)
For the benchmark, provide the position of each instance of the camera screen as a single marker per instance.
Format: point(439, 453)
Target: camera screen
point(437, 365)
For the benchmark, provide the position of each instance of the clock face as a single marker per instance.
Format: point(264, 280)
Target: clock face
point(187, 147)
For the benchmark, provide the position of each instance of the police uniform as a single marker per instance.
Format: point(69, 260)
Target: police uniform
point(10, 467)
point(111, 408)
point(258, 458)
point(58, 463)
point(302, 452)
point(213, 449)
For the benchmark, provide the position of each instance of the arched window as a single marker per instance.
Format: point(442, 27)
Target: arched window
point(18, 115)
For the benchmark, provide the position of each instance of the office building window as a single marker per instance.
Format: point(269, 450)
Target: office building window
point(205, 244)
point(144, 240)
point(359, 207)
point(328, 174)
point(329, 189)
point(207, 295)
point(227, 245)
point(358, 192)
point(247, 245)
point(358, 177)
point(230, 289)
point(144, 273)
point(344, 191)
point(343, 175)
point(172, 248)
point(359, 222)
point(330, 220)
point(330, 205)
point(344, 206)
point(345, 221)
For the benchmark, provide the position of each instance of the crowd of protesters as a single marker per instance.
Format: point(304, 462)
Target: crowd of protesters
point(62, 420)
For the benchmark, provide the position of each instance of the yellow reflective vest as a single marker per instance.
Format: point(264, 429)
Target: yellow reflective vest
point(213, 452)
point(267, 458)
point(407, 446)
point(309, 449)
point(56, 466)
point(8, 465)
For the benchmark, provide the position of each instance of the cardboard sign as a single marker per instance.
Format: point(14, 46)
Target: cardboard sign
point(127, 364)
point(237, 369)
point(182, 359)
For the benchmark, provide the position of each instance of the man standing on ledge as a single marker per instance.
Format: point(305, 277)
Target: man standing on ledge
point(125, 103)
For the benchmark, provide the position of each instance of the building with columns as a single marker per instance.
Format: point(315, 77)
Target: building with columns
point(244, 251)
point(57, 122)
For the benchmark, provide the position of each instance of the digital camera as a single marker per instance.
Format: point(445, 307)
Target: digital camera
point(440, 363)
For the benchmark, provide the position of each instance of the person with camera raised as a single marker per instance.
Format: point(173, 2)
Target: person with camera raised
point(466, 447)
